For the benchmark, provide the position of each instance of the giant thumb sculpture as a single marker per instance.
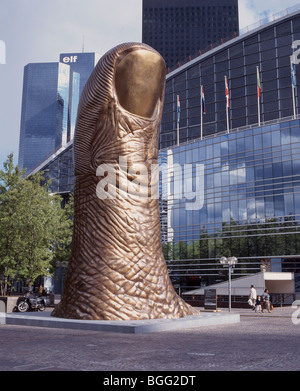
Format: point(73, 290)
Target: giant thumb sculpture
point(117, 270)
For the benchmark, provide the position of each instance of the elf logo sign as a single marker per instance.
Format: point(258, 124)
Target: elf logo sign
point(70, 59)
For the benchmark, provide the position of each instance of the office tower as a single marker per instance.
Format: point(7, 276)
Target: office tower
point(50, 99)
point(45, 116)
point(178, 29)
point(82, 63)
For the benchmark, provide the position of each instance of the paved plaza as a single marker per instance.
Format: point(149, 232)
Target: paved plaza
point(260, 342)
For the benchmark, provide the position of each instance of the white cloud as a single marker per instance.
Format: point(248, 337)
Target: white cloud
point(251, 11)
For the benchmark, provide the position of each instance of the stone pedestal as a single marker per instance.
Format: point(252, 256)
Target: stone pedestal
point(43, 319)
point(8, 303)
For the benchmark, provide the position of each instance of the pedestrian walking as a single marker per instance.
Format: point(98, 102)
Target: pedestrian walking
point(258, 307)
point(266, 301)
point(252, 297)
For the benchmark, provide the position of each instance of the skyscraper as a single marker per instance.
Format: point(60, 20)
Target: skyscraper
point(82, 63)
point(178, 29)
point(44, 118)
point(50, 99)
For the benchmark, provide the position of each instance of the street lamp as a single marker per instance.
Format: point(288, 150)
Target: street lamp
point(230, 263)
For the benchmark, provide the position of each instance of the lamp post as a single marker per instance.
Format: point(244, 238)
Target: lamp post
point(230, 263)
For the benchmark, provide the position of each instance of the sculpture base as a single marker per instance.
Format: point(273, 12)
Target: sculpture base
point(43, 319)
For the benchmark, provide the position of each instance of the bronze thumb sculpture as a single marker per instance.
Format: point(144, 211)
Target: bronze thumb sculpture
point(117, 270)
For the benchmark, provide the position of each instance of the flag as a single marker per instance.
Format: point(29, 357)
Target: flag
point(258, 84)
point(293, 74)
point(178, 109)
point(227, 92)
point(203, 101)
point(293, 77)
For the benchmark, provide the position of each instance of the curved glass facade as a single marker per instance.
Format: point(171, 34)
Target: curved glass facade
point(242, 198)
point(268, 48)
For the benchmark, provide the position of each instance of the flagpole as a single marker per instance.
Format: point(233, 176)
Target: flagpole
point(201, 98)
point(294, 101)
point(258, 95)
point(227, 106)
point(227, 119)
point(178, 141)
point(293, 87)
point(258, 104)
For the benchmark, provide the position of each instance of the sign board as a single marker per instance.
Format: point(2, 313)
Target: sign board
point(70, 59)
point(210, 299)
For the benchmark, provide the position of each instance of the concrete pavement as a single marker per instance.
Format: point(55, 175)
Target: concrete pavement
point(260, 342)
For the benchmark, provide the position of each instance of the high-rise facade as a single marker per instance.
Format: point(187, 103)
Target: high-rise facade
point(178, 29)
point(50, 99)
point(44, 118)
point(82, 63)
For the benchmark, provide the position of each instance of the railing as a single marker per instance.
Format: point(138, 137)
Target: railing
point(222, 300)
point(269, 19)
point(282, 298)
point(277, 299)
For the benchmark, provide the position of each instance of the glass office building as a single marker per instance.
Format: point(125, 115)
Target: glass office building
point(178, 29)
point(248, 200)
point(82, 63)
point(269, 48)
point(60, 169)
point(235, 194)
point(45, 111)
point(50, 100)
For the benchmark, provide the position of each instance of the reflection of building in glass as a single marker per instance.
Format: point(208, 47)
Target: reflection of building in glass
point(49, 105)
point(59, 168)
point(251, 206)
point(235, 194)
point(163, 200)
point(82, 63)
point(75, 101)
point(44, 111)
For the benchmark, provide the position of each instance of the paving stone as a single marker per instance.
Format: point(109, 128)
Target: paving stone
point(260, 342)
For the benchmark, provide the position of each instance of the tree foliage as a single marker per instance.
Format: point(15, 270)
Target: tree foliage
point(34, 229)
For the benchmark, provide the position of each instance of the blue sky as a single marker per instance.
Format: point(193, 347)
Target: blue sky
point(38, 31)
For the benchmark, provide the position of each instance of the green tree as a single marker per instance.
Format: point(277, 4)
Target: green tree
point(10, 181)
point(33, 227)
point(63, 244)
